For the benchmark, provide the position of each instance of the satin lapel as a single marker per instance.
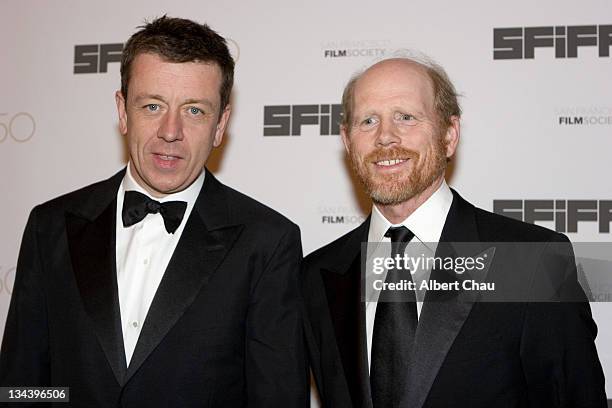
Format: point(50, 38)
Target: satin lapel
point(206, 240)
point(444, 312)
point(343, 286)
point(92, 251)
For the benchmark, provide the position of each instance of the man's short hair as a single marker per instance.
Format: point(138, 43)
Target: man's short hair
point(180, 40)
point(446, 104)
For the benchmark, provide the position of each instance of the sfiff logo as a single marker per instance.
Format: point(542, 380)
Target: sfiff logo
point(287, 120)
point(94, 58)
point(521, 42)
point(565, 214)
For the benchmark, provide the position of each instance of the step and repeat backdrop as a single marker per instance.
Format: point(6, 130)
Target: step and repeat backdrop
point(535, 80)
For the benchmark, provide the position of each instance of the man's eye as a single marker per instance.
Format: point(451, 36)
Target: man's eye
point(404, 117)
point(195, 111)
point(368, 122)
point(152, 107)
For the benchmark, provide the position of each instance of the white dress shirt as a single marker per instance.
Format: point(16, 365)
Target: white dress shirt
point(426, 222)
point(143, 252)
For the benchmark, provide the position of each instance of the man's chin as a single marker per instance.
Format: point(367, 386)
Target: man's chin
point(390, 194)
point(387, 199)
point(160, 188)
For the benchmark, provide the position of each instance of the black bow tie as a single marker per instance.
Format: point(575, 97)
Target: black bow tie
point(136, 206)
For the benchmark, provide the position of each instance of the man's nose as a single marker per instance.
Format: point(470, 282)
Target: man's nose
point(387, 133)
point(171, 128)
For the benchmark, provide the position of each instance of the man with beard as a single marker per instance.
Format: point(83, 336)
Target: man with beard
point(401, 126)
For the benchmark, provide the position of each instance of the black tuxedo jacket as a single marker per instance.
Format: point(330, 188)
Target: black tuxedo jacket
point(466, 353)
point(224, 328)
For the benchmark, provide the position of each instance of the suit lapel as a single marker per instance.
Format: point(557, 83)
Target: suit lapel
point(91, 242)
point(207, 238)
point(443, 312)
point(344, 286)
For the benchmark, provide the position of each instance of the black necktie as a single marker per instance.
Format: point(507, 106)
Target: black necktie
point(393, 334)
point(136, 206)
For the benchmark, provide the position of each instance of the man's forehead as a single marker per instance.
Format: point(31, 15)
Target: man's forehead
point(154, 69)
point(154, 77)
point(395, 76)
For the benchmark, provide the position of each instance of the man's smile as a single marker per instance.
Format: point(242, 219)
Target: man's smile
point(390, 162)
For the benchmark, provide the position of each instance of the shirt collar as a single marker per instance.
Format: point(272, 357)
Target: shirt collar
point(189, 195)
point(426, 222)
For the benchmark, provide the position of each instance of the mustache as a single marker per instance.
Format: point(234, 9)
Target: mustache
point(391, 154)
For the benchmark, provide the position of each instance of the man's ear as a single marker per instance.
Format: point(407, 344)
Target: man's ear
point(221, 126)
point(451, 137)
point(345, 137)
point(121, 111)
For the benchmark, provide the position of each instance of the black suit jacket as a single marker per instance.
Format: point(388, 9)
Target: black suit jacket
point(466, 353)
point(224, 328)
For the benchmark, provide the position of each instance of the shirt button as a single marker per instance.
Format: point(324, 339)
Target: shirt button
point(135, 324)
point(146, 261)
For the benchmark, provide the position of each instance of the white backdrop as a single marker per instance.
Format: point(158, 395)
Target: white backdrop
point(58, 129)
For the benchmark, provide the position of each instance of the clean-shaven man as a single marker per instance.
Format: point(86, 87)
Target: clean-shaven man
point(161, 287)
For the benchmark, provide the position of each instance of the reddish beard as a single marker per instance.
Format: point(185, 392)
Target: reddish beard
point(396, 188)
